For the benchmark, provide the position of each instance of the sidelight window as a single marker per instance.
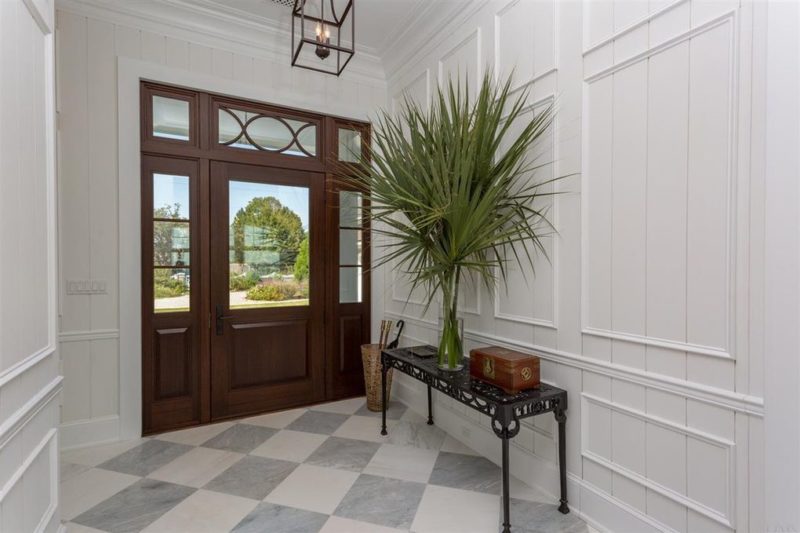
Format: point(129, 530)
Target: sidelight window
point(171, 243)
point(351, 240)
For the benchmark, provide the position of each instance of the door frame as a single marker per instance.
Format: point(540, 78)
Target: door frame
point(130, 72)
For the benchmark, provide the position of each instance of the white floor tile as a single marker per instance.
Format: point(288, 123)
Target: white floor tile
point(202, 512)
point(364, 428)
point(455, 446)
point(94, 455)
point(414, 417)
point(402, 462)
point(195, 436)
point(196, 467)
point(275, 420)
point(290, 445)
point(337, 524)
point(445, 510)
point(85, 490)
point(313, 488)
point(345, 407)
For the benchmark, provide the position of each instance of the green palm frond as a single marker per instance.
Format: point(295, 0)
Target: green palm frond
point(451, 188)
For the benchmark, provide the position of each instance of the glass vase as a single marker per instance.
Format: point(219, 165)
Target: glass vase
point(451, 347)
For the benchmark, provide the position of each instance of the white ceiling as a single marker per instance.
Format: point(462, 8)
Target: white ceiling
point(378, 22)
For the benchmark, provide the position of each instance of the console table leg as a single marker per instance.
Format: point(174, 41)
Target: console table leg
point(506, 490)
point(383, 399)
point(561, 418)
point(430, 407)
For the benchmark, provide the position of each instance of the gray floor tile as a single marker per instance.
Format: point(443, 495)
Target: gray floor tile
point(394, 412)
point(135, 507)
point(383, 501)
point(252, 477)
point(270, 517)
point(241, 438)
point(467, 472)
point(345, 454)
point(146, 458)
point(318, 422)
point(538, 517)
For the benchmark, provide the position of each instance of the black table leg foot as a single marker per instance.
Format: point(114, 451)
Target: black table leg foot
point(563, 508)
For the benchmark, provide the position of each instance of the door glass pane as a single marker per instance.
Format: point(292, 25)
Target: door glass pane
point(349, 285)
point(349, 145)
point(170, 118)
point(171, 289)
point(171, 243)
point(268, 245)
point(350, 209)
point(229, 128)
point(170, 196)
point(349, 247)
point(306, 136)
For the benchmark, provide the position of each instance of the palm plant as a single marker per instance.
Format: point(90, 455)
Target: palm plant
point(451, 189)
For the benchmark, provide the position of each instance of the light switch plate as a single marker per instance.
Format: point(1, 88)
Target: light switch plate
point(90, 286)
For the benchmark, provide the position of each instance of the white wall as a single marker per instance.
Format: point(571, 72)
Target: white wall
point(93, 39)
point(29, 380)
point(651, 312)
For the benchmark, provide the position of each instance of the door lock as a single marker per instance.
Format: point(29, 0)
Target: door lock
point(219, 317)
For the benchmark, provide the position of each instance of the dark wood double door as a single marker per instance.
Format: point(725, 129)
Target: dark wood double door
point(253, 294)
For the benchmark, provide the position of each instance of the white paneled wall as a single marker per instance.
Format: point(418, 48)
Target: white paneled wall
point(29, 380)
point(648, 312)
point(92, 40)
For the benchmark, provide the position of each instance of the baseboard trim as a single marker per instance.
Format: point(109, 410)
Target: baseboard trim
point(81, 433)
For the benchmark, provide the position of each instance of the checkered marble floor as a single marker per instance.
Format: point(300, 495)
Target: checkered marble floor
point(325, 469)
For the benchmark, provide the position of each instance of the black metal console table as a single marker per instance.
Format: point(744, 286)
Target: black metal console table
point(506, 410)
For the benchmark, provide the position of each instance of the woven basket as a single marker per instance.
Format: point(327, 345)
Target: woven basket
point(371, 357)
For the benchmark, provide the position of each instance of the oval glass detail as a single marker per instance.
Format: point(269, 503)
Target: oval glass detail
point(271, 134)
point(255, 131)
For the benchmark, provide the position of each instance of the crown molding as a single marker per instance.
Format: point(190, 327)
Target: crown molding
point(430, 29)
point(199, 23)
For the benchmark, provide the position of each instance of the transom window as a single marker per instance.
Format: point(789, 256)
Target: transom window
point(272, 133)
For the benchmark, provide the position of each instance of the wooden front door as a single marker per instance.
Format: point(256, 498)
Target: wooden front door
point(266, 344)
point(255, 295)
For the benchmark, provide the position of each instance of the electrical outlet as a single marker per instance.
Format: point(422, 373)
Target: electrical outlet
point(90, 286)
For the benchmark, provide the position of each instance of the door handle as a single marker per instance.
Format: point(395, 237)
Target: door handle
point(218, 318)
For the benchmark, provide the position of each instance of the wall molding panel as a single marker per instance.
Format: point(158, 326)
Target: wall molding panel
point(30, 384)
point(725, 516)
point(726, 345)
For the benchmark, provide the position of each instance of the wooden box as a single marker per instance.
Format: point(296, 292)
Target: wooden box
point(511, 371)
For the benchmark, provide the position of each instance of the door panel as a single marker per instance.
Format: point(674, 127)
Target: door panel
point(170, 301)
point(266, 288)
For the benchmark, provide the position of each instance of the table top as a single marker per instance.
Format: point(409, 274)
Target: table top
point(451, 381)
